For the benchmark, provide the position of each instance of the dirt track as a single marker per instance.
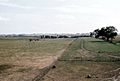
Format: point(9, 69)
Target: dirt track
point(29, 74)
point(76, 68)
point(98, 71)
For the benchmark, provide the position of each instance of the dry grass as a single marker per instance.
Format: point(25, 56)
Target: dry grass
point(21, 60)
point(78, 71)
point(77, 63)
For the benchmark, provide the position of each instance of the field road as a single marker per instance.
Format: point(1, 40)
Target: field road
point(22, 60)
point(80, 59)
point(80, 64)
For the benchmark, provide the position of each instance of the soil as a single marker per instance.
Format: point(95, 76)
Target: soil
point(27, 68)
point(92, 71)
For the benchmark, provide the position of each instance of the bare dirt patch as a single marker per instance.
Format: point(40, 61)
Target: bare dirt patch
point(84, 65)
point(26, 68)
point(39, 62)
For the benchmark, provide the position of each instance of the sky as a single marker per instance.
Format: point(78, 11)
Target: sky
point(57, 16)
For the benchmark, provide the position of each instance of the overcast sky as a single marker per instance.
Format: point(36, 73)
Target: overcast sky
point(57, 16)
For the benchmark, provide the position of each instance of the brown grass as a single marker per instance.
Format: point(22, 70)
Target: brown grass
point(21, 60)
point(83, 64)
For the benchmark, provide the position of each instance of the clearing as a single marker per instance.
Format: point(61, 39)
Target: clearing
point(22, 60)
point(82, 59)
point(87, 59)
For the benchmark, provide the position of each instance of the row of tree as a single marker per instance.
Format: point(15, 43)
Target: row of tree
point(107, 33)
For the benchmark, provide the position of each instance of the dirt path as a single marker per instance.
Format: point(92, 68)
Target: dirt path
point(39, 62)
point(96, 71)
point(50, 64)
point(115, 73)
point(85, 54)
point(27, 68)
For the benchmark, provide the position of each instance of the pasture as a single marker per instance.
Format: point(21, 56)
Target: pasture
point(87, 59)
point(81, 59)
point(21, 59)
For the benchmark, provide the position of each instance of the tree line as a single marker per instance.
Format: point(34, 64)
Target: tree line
point(107, 33)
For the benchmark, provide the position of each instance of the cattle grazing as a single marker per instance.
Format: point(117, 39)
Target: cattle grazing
point(33, 40)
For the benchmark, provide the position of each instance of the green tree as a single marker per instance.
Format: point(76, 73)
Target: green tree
point(96, 33)
point(106, 32)
point(110, 32)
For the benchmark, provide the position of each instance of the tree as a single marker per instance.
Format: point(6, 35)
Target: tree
point(106, 32)
point(96, 32)
point(110, 32)
point(102, 32)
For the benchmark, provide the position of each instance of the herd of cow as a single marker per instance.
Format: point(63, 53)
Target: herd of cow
point(48, 37)
point(56, 36)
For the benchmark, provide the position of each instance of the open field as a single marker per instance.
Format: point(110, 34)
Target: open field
point(82, 59)
point(87, 60)
point(22, 60)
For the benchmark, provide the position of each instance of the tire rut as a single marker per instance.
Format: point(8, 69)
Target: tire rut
point(40, 76)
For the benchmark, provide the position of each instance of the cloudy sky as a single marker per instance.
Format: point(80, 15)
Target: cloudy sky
point(57, 16)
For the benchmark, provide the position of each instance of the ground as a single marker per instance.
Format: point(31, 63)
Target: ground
point(87, 60)
point(22, 60)
point(82, 59)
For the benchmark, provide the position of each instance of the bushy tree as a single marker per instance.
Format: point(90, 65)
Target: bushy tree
point(106, 32)
point(96, 32)
point(110, 32)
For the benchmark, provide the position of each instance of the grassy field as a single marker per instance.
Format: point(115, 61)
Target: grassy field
point(83, 59)
point(98, 45)
point(87, 59)
point(21, 60)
